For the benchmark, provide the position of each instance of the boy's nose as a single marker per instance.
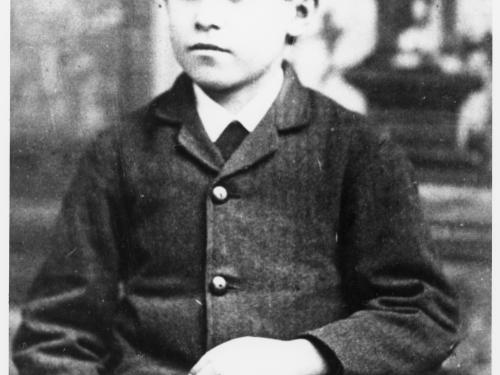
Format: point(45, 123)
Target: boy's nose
point(205, 25)
point(209, 15)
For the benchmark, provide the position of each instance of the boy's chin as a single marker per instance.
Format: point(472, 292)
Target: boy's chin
point(213, 83)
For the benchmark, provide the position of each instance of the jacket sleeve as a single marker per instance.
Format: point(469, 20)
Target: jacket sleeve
point(404, 317)
point(66, 326)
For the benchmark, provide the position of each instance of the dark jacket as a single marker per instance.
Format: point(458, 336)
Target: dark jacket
point(321, 235)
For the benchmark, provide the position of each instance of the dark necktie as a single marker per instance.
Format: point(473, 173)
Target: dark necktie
point(231, 138)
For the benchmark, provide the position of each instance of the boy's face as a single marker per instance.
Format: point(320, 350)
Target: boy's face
point(226, 44)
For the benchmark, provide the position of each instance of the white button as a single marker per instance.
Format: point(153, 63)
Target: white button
point(220, 193)
point(218, 285)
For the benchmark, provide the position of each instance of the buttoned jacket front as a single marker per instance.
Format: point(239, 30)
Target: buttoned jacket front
point(320, 235)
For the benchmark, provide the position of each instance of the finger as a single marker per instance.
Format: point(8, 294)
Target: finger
point(202, 362)
point(207, 369)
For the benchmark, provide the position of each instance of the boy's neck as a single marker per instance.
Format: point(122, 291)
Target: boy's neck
point(235, 98)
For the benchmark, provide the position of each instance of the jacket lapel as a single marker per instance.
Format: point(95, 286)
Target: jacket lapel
point(259, 144)
point(193, 138)
point(177, 107)
point(289, 111)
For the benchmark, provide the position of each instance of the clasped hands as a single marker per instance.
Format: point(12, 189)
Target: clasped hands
point(261, 356)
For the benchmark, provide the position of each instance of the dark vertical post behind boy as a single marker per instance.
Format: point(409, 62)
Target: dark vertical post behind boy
point(240, 224)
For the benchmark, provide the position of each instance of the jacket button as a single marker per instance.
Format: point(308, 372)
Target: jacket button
point(218, 285)
point(219, 194)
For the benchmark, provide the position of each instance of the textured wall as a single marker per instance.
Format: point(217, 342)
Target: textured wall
point(65, 62)
point(75, 65)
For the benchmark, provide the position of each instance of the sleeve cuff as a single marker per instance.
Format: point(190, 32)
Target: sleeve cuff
point(334, 365)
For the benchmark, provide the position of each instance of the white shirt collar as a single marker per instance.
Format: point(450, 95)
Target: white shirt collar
point(215, 118)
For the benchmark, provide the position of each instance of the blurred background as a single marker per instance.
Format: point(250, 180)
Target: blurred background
point(420, 69)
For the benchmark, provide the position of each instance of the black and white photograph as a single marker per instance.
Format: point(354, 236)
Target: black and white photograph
point(250, 187)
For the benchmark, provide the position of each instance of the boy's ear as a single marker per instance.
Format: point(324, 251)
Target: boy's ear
point(304, 10)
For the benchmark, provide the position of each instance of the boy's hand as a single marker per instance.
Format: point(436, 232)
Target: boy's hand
point(261, 356)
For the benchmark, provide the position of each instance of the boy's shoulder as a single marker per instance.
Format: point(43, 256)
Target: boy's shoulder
point(358, 129)
point(366, 146)
point(327, 108)
point(173, 107)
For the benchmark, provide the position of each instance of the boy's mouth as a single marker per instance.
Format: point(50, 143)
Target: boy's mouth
point(206, 47)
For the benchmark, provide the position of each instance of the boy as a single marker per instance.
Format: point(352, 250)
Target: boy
point(287, 242)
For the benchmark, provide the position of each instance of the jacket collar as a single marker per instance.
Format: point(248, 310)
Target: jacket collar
point(290, 110)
